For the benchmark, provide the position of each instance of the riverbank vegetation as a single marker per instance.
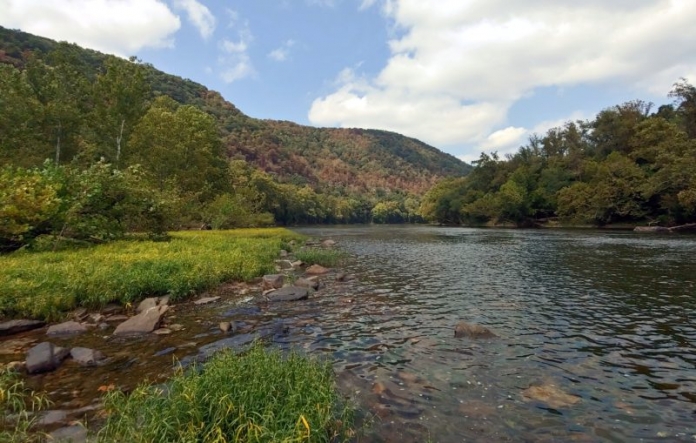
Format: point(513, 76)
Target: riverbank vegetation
point(84, 135)
point(630, 164)
point(18, 406)
point(258, 396)
point(45, 285)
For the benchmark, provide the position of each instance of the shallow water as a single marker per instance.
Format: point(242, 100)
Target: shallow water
point(608, 317)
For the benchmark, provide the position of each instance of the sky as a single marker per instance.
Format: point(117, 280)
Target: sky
point(465, 76)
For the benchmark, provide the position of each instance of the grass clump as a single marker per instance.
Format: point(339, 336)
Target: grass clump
point(46, 284)
point(324, 257)
point(18, 406)
point(259, 396)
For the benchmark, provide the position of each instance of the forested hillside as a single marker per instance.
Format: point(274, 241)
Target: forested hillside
point(630, 164)
point(78, 107)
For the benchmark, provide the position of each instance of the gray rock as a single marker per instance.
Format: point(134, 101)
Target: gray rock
point(162, 331)
point(328, 243)
point(307, 283)
point(45, 357)
point(17, 326)
point(116, 318)
point(67, 328)
point(79, 314)
point(143, 323)
point(73, 434)
point(112, 309)
point(206, 300)
point(48, 418)
point(86, 356)
point(283, 253)
point(228, 326)
point(146, 304)
point(272, 281)
point(289, 293)
point(297, 264)
point(464, 329)
point(342, 276)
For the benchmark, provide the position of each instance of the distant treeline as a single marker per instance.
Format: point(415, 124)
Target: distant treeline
point(631, 164)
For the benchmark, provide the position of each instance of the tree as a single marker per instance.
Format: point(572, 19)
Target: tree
point(120, 96)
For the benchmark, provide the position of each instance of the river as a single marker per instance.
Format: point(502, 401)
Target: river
point(607, 317)
point(604, 321)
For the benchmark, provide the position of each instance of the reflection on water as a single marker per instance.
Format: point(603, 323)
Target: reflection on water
point(607, 317)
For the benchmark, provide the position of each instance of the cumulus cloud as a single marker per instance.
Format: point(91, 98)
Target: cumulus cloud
point(283, 52)
point(456, 67)
point(121, 27)
point(234, 59)
point(199, 15)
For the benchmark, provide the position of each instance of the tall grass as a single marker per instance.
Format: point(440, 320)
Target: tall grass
point(18, 406)
point(46, 284)
point(259, 396)
point(324, 257)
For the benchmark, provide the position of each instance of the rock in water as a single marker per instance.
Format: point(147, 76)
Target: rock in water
point(142, 323)
point(86, 356)
point(272, 281)
point(551, 395)
point(67, 328)
point(206, 300)
point(289, 293)
point(17, 326)
point(45, 357)
point(464, 329)
point(316, 270)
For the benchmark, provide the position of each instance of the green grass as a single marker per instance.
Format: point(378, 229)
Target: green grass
point(324, 257)
point(45, 285)
point(18, 406)
point(259, 396)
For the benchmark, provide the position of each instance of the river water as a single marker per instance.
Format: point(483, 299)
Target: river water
point(606, 317)
point(604, 321)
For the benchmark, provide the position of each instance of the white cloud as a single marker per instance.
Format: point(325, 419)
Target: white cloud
point(234, 60)
point(456, 67)
point(121, 27)
point(283, 52)
point(199, 15)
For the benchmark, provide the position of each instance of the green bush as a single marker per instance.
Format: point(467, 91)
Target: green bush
point(259, 396)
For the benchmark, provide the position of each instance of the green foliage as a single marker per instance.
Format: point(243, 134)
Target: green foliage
point(625, 166)
point(18, 407)
point(320, 256)
point(46, 284)
point(229, 211)
point(259, 396)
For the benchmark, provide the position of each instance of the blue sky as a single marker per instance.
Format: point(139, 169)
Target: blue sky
point(462, 75)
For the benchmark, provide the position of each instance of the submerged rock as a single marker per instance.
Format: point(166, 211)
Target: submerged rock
point(45, 357)
point(16, 326)
point(551, 395)
point(464, 329)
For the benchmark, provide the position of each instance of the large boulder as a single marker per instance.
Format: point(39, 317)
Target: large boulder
point(464, 329)
point(17, 326)
point(288, 293)
point(67, 328)
point(45, 357)
point(143, 323)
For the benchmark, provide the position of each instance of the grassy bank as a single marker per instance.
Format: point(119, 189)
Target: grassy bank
point(18, 406)
point(45, 285)
point(260, 396)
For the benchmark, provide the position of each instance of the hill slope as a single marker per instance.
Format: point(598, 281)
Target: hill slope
point(339, 161)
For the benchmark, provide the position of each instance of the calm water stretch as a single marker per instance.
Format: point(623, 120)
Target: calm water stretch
point(607, 317)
